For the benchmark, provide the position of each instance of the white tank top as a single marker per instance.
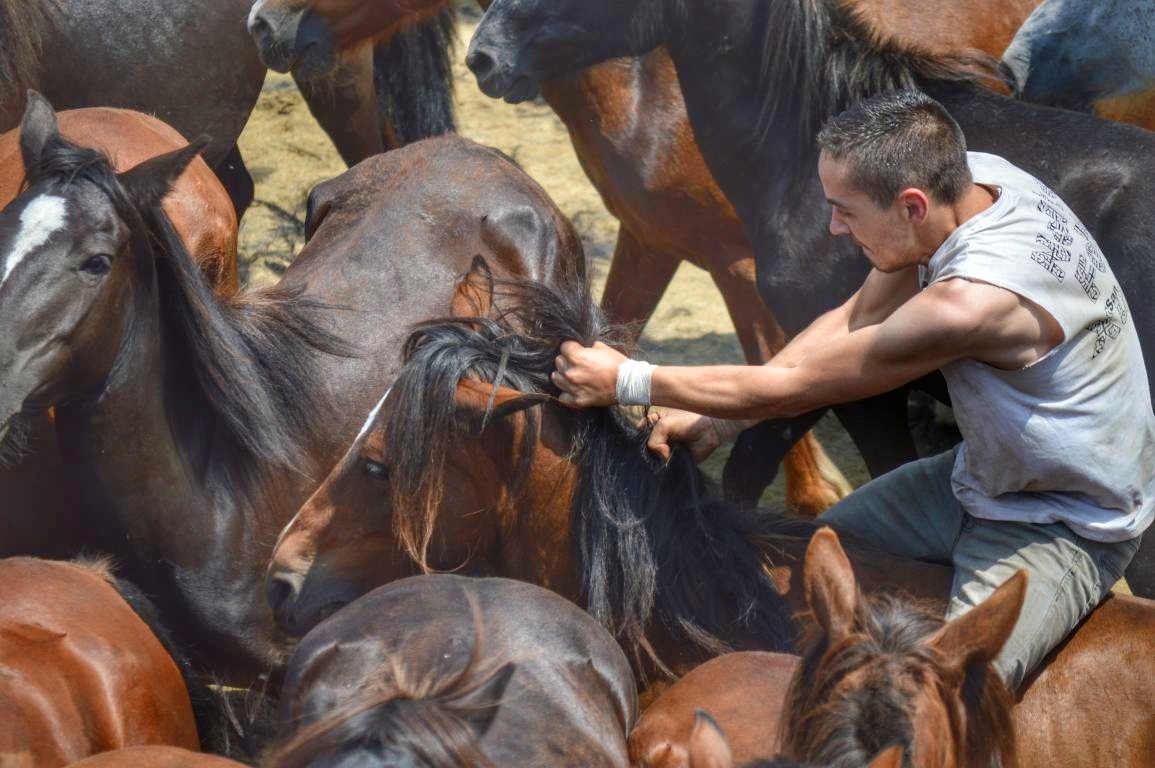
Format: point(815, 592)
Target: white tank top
point(1071, 437)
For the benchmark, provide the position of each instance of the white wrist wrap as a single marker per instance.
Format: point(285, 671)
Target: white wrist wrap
point(633, 386)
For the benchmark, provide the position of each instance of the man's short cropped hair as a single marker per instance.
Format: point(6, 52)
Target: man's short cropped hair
point(896, 140)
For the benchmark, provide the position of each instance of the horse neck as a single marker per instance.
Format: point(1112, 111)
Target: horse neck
point(147, 502)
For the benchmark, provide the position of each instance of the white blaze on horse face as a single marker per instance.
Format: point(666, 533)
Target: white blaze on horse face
point(372, 417)
point(39, 220)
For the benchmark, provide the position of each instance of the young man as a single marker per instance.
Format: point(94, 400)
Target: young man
point(981, 271)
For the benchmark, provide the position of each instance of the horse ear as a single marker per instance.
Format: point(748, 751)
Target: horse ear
point(473, 296)
point(978, 635)
point(888, 758)
point(148, 183)
point(479, 706)
point(708, 745)
point(519, 235)
point(317, 207)
point(499, 402)
point(37, 128)
point(831, 590)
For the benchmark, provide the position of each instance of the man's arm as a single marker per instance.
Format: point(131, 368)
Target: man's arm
point(880, 295)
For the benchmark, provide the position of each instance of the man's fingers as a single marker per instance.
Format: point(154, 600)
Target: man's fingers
point(561, 363)
point(559, 381)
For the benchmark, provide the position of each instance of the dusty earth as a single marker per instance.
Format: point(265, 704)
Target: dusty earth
point(288, 153)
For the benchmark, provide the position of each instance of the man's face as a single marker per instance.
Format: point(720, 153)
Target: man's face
point(884, 234)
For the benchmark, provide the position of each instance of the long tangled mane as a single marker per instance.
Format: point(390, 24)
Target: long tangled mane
point(819, 57)
point(655, 544)
point(852, 729)
point(21, 37)
point(239, 373)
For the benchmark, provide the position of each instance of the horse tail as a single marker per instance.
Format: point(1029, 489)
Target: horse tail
point(413, 76)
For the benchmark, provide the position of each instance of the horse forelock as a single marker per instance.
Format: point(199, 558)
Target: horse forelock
point(630, 515)
point(851, 699)
point(819, 57)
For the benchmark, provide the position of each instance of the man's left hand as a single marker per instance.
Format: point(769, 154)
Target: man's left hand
point(587, 376)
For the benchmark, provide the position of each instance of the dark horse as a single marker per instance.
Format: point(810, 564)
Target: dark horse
point(503, 480)
point(760, 79)
point(194, 66)
point(445, 671)
point(195, 424)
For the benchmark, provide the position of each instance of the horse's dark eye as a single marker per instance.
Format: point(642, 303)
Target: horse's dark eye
point(96, 265)
point(375, 470)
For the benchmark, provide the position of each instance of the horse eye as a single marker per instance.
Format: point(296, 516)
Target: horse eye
point(97, 265)
point(375, 470)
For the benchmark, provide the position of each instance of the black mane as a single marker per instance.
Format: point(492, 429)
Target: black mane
point(238, 372)
point(655, 544)
point(818, 58)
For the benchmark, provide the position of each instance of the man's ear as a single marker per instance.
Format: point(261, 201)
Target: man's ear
point(915, 204)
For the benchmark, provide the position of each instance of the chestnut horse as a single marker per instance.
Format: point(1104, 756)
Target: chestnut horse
point(195, 424)
point(1090, 56)
point(708, 747)
point(37, 516)
point(155, 757)
point(504, 480)
point(80, 673)
point(445, 671)
point(194, 66)
point(760, 80)
point(884, 671)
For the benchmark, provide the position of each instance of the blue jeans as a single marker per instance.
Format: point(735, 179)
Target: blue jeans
point(912, 512)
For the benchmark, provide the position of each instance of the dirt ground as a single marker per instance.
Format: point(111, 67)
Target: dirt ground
point(287, 153)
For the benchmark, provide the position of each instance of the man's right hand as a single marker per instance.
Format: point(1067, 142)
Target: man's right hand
point(698, 433)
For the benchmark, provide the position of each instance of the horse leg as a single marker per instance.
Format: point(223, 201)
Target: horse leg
point(813, 482)
point(236, 180)
point(637, 280)
point(756, 454)
point(345, 106)
point(878, 426)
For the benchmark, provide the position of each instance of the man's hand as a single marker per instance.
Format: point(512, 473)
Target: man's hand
point(696, 432)
point(587, 376)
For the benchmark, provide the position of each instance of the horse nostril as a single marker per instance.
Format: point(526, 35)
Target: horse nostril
point(259, 28)
point(480, 63)
point(281, 589)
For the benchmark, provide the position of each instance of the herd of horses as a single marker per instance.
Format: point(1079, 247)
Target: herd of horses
point(354, 494)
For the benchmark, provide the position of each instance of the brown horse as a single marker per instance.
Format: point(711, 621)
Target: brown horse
point(194, 66)
point(504, 480)
point(743, 695)
point(195, 424)
point(884, 671)
point(80, 673)
point(708, 747)
point(445, 671)
point(155, 757)
point(38, 517)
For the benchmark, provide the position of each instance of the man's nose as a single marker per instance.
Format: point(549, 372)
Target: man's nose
point(837, 225)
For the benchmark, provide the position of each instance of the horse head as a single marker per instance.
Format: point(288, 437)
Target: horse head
point(447, 473)
point(72, 251)
point(881, 671)
point(521, 43)
point(309, 36)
